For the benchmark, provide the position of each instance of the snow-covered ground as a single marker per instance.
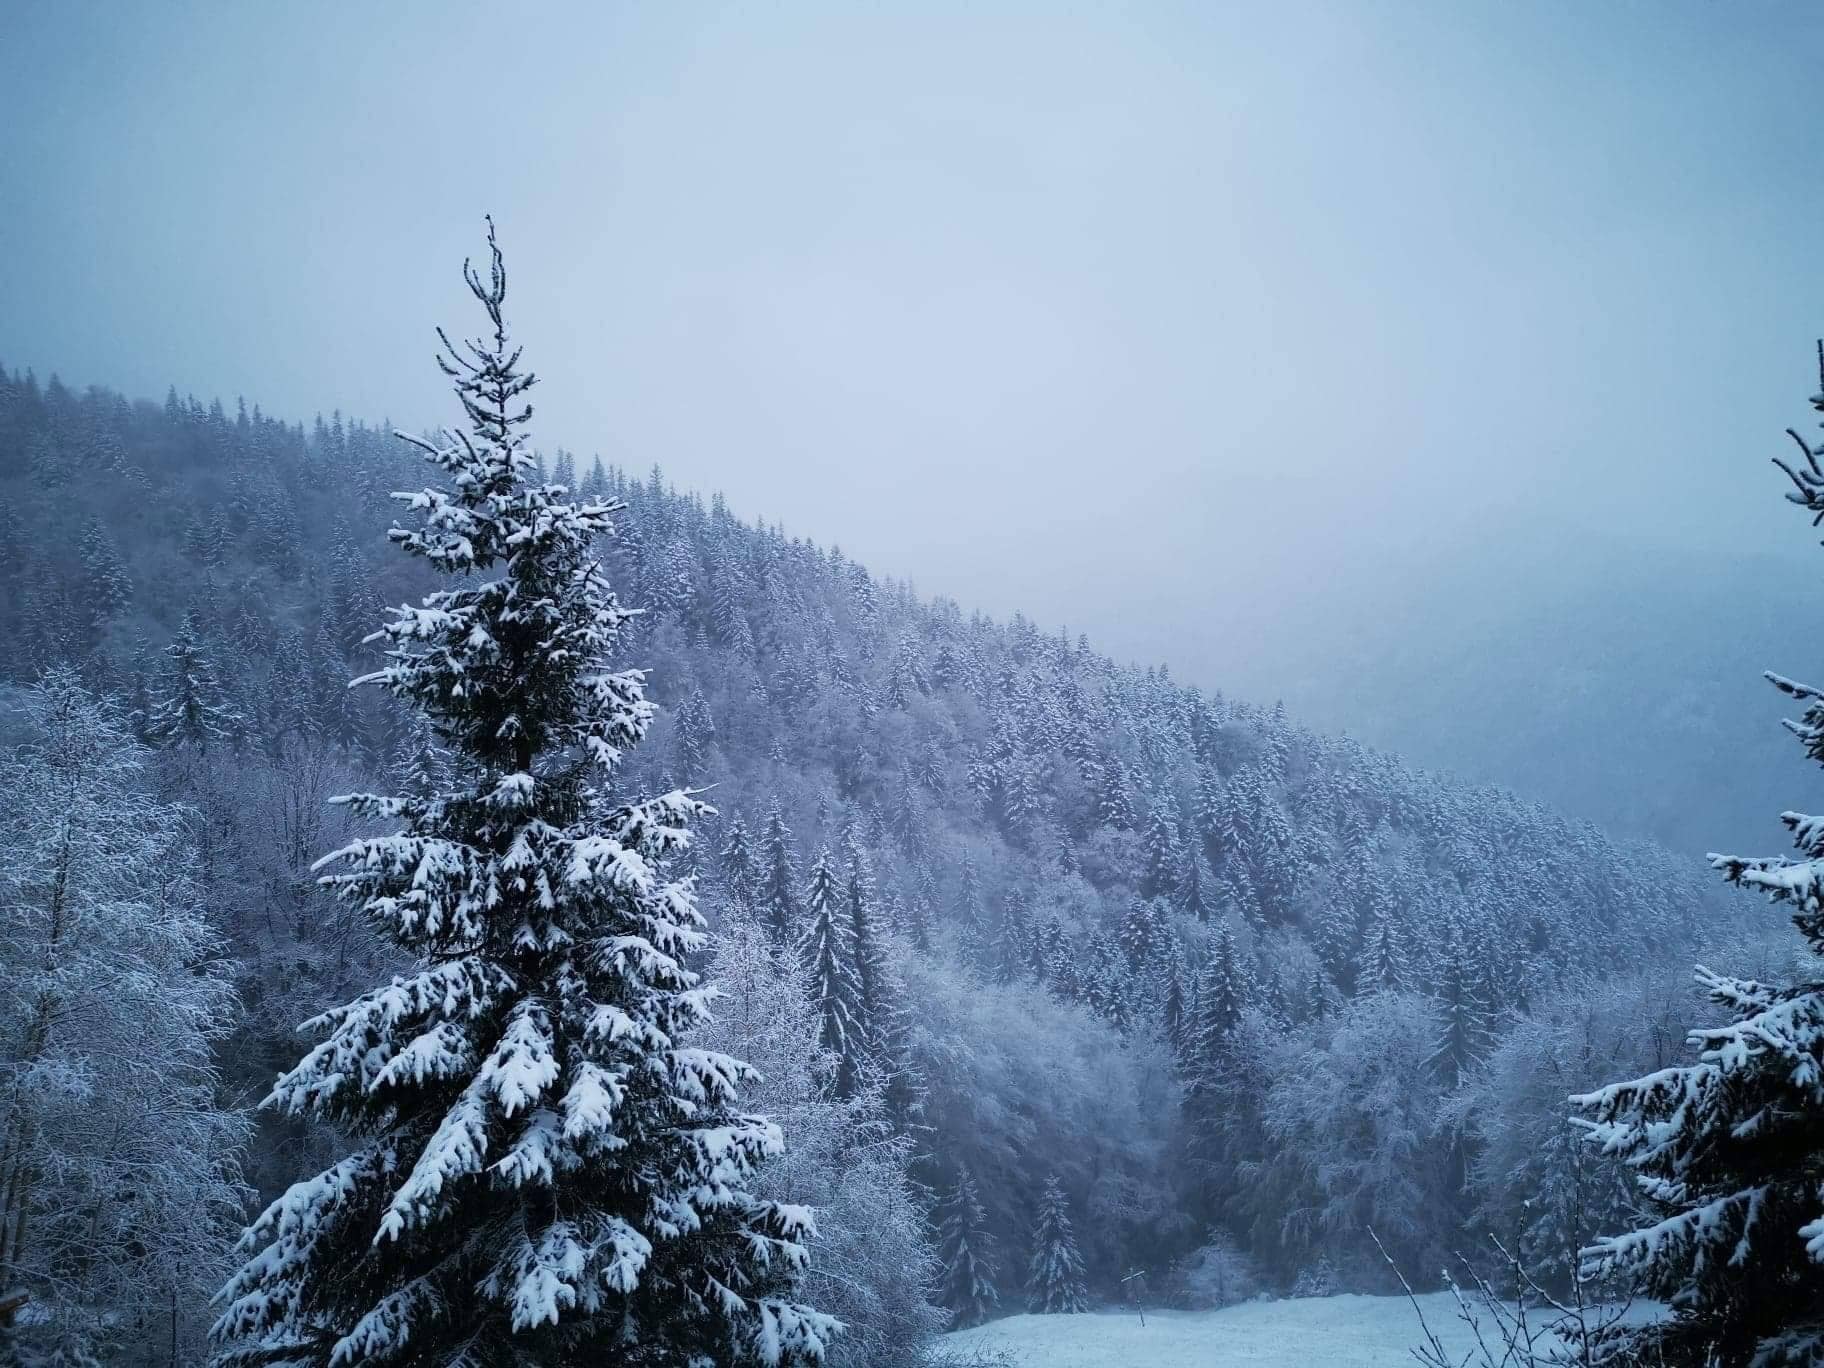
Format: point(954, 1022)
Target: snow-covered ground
point(1312, 1332)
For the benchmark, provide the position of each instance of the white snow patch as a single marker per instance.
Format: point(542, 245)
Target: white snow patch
point(1334, 1332)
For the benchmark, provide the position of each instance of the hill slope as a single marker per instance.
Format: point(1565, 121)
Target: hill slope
point(1107, 898)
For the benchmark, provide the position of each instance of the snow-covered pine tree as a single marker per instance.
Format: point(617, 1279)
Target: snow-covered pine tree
point(903, 1088)
point(1163, 870)
point(1008, 955)
point(779, 880)
point(1338, 931)
point(105, 582)
point(421, 766)
point(1198, 895)
point(1239, 896)
point(918, 921)
point(965, 1253)
point(1465, 1035)
point(1211, 806)
point(1174, 1014)
point(191, 712)
point(1054, 1279)
point(1224, 993)
point(1105, 983)
point(740, 871)
point(1382, 966)
point(969, 912)
point(696, 729)
point(868, 955)
point(829, 954)
point(1145, 932)
point(1114, 802)
point(1729, 1150)
point(544, 1171)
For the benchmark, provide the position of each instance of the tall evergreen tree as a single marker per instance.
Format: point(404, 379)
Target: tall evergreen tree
point(421, 767)
point(740, 870)
point(1009, 954)
point(1464, 1036)
point(829, 953)
point(918, 916)
point(970, 911)
point(542, 1173)
point(1382, 966)
point(106, 585)
point(191, 712)
point(1338, 931)
point(965, 1251)
point(1729, 1150)
point(779, 878)
point(1145, 932)
point(1198, 895)
point(868, 955)
point(1164, 857)
point(1224, 991)
point(1054, 1278)
point(1174, 1011)
point(696, 729)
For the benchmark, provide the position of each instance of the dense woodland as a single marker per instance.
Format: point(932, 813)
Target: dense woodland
point(1064, 981)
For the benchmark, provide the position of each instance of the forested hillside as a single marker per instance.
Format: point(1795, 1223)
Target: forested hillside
point(1084, 950)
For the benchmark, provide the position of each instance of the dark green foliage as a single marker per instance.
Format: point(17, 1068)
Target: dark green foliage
point(965, 1251)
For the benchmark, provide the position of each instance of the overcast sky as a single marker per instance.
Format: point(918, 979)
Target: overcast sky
point(1201, 328)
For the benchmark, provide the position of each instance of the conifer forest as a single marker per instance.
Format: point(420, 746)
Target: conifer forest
point(910, 688)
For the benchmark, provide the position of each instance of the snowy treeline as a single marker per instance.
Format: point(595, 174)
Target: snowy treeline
point(1023, 941)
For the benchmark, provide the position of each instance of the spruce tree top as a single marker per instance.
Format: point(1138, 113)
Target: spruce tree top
point(546, 1170)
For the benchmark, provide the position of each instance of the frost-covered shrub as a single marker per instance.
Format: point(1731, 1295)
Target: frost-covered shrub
point(1317, 1279)
point(1217, 1275)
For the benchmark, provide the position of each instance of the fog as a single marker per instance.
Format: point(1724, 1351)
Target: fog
point(1345, 353)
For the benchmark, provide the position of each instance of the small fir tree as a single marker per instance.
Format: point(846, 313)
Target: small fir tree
point(829, 954)
point(779, 880)
point(192, 711)
point(965, 1251)
point(1054, 1279)
point(1163, 872)
point(740, 873)
point(106, 584)
point(868, 956)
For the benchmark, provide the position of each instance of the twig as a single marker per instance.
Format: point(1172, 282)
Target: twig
point(1433, 1354)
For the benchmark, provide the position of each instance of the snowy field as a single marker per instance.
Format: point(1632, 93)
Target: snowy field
point(1312, 1332)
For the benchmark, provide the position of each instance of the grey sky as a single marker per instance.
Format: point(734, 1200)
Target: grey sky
point(1201, 328)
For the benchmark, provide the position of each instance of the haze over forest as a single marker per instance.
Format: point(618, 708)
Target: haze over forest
point(1295, 346)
